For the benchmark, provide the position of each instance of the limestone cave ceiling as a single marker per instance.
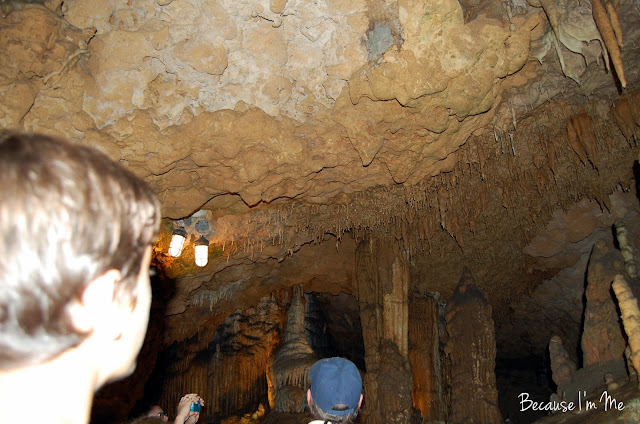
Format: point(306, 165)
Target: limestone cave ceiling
point(461, 132)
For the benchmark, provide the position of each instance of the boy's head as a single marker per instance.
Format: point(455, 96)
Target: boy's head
point(69, 216)
point(336, 390)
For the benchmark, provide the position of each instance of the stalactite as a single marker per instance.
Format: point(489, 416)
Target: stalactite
point(380, 212)
point(582, 138)
point(481, 158)
point(603, 23)
point(442, 204)
point(626, 115)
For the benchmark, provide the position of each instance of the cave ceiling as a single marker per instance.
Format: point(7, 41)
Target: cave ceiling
point(457, 131)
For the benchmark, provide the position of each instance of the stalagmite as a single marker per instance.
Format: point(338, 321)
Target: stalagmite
point(426, 362)
point(290, 363)
point(383, 281)
point(626, 249)
point(630, 318)
point(472, 350)
point(602, 339)
point(562, 367)
point(396, 308)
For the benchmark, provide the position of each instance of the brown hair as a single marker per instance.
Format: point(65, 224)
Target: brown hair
point(316, 412)
point(68, 214)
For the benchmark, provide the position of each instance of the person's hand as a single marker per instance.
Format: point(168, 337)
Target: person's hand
point(185, 415)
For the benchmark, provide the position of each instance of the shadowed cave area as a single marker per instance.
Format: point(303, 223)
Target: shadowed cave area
point(443, 191)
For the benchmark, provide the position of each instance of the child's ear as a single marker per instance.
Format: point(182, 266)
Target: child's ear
point(96, 302)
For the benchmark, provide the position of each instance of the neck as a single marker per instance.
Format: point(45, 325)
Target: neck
point(59, 391)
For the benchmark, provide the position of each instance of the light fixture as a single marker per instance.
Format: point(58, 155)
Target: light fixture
point(196, 223)
point(177, 242)
point(202, 251)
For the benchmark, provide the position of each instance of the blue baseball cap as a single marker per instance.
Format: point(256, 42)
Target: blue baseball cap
point(336, 385)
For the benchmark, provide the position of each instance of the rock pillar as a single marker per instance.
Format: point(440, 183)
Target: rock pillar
point(290, 363)
point(427, 366)
point(383, 291)
point(562, 367)
point(630, 317)
point(472, 351)
point(602, 339)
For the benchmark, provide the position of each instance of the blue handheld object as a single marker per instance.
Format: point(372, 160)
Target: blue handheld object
point(195, 407)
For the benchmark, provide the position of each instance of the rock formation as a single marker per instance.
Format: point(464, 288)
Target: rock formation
point(450, 132)
point(626, 249)
point(602, 339)
point(393, 382)
point(290, 362)
point(562, 367)
point(220, 370)
point(602, 342)
point(630, 317)
point(428, 369)
point(471, 349)
point(383, 281)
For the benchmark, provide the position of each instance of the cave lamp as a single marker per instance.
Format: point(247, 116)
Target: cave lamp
point(202, 251)
point(177, 242)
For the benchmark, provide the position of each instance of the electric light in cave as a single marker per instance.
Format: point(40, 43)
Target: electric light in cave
point(202, 251)
point(177, 242)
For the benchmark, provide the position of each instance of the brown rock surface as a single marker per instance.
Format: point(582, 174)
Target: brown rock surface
point(455, 132)
point(562, 367)
point(602, 337)
point(471, 348)
point(428, 368)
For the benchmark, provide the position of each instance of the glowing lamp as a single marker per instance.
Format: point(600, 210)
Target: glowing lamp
point(202, 251)
point(177, 242)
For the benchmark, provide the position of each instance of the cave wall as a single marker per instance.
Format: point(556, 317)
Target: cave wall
point(229, 371)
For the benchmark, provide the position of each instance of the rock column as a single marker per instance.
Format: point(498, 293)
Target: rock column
point(383, 291)
point(472, 351)
point(630, 317)
point(562, 367)
point(427, 366)
point(290, 363)
point(602, 339)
